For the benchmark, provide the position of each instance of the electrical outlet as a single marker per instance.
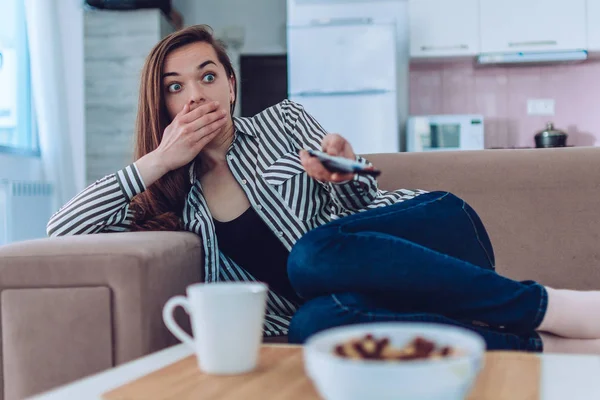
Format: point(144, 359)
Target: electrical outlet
point(540, 106)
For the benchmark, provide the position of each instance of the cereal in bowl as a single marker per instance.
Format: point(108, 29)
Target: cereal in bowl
point(371, 348)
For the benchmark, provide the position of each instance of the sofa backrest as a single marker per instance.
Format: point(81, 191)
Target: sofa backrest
point(541, 206)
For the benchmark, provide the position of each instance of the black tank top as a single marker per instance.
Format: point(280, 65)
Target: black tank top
point(249, 242)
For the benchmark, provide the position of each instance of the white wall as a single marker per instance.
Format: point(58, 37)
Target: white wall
point(263, 20)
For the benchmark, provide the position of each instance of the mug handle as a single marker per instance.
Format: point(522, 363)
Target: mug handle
point(175, 329)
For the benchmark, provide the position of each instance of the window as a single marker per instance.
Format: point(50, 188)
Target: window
point(17, 127)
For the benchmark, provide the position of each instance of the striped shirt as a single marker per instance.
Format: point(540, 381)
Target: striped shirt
point(264, 159)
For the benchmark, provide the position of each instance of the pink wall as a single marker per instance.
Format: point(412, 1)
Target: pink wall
point(501, 95)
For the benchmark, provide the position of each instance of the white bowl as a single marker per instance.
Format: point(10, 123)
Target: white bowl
point(338, 378)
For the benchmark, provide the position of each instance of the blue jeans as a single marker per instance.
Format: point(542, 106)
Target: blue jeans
point(428, 259)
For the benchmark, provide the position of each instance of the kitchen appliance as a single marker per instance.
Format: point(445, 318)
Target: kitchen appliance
point(534, 58)
point(445, 132)
point(550, 137)
point(344, 72)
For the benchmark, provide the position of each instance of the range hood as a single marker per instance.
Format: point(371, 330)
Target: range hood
point(533, 58)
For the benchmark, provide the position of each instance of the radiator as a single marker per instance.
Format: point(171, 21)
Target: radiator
point(25, 208)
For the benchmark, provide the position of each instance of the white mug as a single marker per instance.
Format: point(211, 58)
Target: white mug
point(227, 322)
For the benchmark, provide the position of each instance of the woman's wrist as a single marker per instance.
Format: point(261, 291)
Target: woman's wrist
point(151, 168)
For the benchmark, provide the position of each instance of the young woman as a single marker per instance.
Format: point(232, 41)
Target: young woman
point(333, 248)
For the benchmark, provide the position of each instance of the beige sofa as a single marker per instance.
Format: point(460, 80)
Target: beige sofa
point(73, 306)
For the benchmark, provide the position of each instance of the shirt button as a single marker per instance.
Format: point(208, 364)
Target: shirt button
point(230, 157)
point(244, 181)
point(279, 234)
point(258, 207)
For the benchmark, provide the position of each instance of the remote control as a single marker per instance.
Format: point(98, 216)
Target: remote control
point(342, 165)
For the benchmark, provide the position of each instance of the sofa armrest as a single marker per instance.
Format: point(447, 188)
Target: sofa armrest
point(140, 270)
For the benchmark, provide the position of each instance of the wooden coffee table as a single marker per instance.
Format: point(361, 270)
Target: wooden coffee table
point(173, 374)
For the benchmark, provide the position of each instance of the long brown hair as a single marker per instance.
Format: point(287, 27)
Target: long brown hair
point(160, 207)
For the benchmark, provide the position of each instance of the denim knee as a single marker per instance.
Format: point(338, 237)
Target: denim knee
point(314, 316)
point(302, 324)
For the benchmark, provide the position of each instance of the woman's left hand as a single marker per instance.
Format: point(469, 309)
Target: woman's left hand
point(334, 145)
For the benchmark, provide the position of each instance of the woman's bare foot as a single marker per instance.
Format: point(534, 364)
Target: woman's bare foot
point(556, 344)
point(572, 314)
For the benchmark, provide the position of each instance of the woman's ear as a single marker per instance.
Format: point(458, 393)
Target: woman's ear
point(232, 88)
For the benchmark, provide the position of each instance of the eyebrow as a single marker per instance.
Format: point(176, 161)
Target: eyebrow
point(204, 64)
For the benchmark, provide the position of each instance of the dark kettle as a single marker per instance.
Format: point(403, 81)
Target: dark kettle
point(550, 137)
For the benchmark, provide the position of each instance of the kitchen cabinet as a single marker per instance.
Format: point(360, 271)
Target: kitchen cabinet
point(593, 24)
point(443, 28)
point(532, 25)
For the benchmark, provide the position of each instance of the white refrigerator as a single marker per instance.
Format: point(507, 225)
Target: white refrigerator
point(344, 73)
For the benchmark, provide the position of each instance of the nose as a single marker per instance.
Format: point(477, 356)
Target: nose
point(197, 95)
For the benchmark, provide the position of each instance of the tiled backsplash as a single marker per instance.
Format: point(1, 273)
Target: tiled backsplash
point(501, 94)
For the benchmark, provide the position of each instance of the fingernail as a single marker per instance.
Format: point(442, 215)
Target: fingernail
point(216, 103)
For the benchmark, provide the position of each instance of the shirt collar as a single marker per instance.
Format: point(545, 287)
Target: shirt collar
point(192, 172)
point(244, 126)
